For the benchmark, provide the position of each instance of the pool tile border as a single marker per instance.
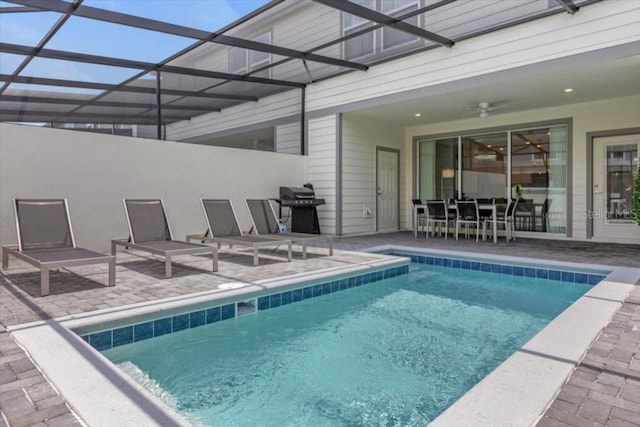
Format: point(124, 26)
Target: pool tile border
point(572, 276)
point(107, 339)
point(110, 338)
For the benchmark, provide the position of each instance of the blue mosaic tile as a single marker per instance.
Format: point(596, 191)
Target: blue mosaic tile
point(143, 331)
point(496, 268)
point(529, 272)
point(213, 315)
point(101, 340)
point(161, 327)
point(317, 291)
point(476, 265)
point(287, 298)
point(455, 263)
point(542, 273)
point(430, 260)
point(446, 262)
point(595, 279)
point(464, 264)
point(518, 271)
point(180, 322)
point(485, 266)
point(228, 311)
point(296, 295)
point(507, 269)
point(275, 300)
point(568, 276)
point(437, 261)
point(263, 303)
point(581, 277)
point(307, 292)
point(344, 284)
point(335, 286)
point(326, 288)
point(352, 281)
point(555, 275)
point(197, 318)
point(359, 279)
point(122, 336)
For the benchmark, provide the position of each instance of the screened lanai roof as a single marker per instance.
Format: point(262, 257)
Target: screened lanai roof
point(92, 61)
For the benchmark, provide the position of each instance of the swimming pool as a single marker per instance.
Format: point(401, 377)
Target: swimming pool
point(515, 393)
point(395, 352)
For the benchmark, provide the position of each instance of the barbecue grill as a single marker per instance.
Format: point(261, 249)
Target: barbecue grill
point(302, 202)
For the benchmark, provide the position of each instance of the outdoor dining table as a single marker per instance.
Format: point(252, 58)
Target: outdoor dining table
point(483, 208)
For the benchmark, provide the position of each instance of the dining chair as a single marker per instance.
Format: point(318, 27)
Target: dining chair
point(421, 215)
point(437, 216)
point(467, 215)
point(506, 217)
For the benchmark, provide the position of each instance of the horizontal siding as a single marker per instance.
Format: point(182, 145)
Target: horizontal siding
point(359, 140)
point(594, 27)
point(288, 138)
point(270, 108)
point(321, 166)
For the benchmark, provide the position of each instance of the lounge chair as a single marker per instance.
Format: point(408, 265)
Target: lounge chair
point(149, 231)
point(265, 223)
point(45, 240)
point(225, 229)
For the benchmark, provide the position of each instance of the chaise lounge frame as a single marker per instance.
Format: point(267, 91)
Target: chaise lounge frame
point(52, 255)
point(265, 223)
point(165, 246)
point(232, 235)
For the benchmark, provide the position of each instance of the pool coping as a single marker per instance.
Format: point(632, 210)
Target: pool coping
point(70, 363)
point(516, 393)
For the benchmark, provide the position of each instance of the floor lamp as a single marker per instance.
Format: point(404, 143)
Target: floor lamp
point(446, 174)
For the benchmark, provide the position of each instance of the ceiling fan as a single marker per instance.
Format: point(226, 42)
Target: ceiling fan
point(484, 108)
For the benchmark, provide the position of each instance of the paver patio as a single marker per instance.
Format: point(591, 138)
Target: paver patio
point(604, 389)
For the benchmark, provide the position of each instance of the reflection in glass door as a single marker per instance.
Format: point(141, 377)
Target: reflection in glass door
point(615, 165)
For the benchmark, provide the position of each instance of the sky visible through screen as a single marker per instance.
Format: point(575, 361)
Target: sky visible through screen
point(88, 36)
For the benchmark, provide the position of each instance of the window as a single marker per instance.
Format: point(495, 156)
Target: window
point(242, 61)
point(528, 165)
point(375, 42)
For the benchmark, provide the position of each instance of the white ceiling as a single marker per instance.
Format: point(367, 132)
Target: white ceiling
point(520, 90)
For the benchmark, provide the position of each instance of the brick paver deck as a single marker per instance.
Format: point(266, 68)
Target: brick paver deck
point(603, 390)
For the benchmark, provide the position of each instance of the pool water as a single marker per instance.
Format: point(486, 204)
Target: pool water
point(396, 352)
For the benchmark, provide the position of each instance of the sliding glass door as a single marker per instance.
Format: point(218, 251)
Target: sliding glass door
point(528, 165)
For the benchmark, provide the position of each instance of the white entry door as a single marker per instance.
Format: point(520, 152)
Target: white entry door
point(615, 165)
point(388, 192)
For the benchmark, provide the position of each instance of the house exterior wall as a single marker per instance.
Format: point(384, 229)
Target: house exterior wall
point(597, 26)
point(554, 41)
point(360, 137)
point(287, 139)
point(95, 172)
point(323, 143)
point(597, 116)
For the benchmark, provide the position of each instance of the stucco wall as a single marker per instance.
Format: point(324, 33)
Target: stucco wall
point(95, 172)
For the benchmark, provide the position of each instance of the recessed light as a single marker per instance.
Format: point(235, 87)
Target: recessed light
point(568, 89)
point(501, 148)
point(527, 142)
point(488, 145)
point(418, 115)
point(538, 145)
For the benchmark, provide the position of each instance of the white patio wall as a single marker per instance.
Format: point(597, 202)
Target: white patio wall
point(95, 172)
point(604, 115)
